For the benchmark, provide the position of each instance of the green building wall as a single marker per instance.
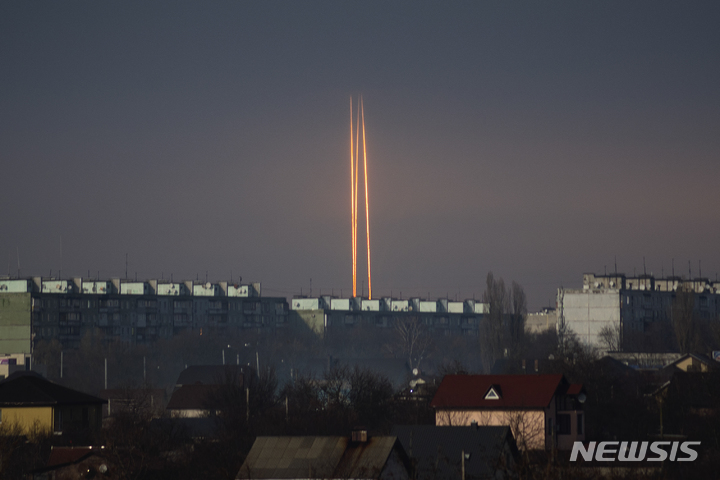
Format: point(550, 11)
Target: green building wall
point(15, 323)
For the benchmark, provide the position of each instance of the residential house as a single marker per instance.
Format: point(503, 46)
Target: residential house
point(445, 452)
point(194, 401)
point(543, 411)
point(197, 388)
point(71, 463)
point(358, 456)
point(31, 401)
point(693, 362)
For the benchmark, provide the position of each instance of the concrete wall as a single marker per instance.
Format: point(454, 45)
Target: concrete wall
point(15, 323)
point(586, 312)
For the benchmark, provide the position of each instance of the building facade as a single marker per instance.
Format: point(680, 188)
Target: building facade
point(441, 316)
point(636, 308)
point(133, 311)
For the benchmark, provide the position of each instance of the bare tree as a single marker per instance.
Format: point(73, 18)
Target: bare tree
point(492, 326)
point(683, 318)
point(517, 317)
point(610, 337)
point(413, 340)
point(528, 427)
point(452, 418)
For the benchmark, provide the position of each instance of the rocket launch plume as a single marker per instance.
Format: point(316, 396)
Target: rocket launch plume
point(367, 208)
point(352, 202)
point(354, 189)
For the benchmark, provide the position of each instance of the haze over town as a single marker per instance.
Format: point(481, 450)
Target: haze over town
point(538, 142)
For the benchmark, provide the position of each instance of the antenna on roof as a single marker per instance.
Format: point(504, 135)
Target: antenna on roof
point(615, 264)
point(673, 267)
point(699, 269)
point(644, 269)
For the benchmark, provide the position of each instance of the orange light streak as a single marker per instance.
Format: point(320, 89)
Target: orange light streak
point(367, 208)
point(352, 201)
point(357, 177)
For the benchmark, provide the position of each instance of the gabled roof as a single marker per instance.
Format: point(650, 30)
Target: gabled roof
point(212, 374)
point(61, 457)
point(436, 450)
point(32, 390)
point(518, 391)
point(317, 457)
point(696, 358)
point(192, 397)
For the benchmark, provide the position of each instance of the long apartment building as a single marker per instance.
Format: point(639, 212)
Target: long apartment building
point(637, 307)
point(38, 308)
point(441, 316)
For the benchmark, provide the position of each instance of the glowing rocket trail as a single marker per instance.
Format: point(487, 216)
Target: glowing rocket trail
point(367, 209)
point(355, 188)
point(357, 177)
point(352, 202)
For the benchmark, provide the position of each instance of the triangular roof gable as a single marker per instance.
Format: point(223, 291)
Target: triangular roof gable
point(517, 391)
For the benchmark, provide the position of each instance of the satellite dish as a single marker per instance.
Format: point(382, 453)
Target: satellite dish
point(415, 372)
point(207, 285)
point(581, 398)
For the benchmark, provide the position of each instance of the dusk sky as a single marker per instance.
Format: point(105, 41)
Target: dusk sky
point(536, 140)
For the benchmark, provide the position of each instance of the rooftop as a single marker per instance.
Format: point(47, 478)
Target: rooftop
point(30, 389)
point(499, 391)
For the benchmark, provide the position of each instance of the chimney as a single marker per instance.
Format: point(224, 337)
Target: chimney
point(360, 435)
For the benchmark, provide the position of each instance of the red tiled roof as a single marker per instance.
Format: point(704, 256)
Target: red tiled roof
point(525, 391)
point(574, 389)
point(68, 455)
